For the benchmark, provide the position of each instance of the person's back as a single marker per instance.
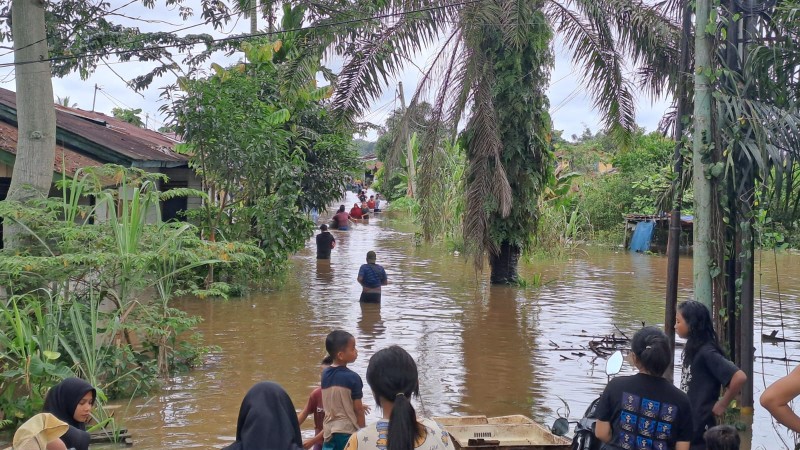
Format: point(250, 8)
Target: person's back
point(325, 242)
point(355, 212)
point(341, 219)
point(371, 277)
point(651, 408)
point(645, 410)
point(392, 375)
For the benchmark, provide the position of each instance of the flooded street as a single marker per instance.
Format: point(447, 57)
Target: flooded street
point(479, 349)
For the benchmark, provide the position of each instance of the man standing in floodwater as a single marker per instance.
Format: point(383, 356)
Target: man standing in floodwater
point(371, 277)
point(325, 242)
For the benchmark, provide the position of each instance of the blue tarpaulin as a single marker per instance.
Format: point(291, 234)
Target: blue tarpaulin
point(642, 235)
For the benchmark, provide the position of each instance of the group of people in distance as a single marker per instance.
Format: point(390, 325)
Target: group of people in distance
point(641, 411)
point(360, 211)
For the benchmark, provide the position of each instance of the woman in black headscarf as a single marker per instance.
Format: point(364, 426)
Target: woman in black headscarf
point(267, 420)
point(72, 401)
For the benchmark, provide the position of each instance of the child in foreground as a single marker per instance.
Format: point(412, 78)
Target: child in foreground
point(392, 375)
point(314, 407)
point(342, 391)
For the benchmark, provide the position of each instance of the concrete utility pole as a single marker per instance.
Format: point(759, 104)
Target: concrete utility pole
point(36, 114)
point(700, 149)
point(411, 170)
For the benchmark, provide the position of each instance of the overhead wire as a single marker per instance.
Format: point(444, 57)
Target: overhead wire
point(77, 27)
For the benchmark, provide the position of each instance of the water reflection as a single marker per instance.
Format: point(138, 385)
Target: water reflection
point(370, 325)
point(498, 350)
point(324, 271)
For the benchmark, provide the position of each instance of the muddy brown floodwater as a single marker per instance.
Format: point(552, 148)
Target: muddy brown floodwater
point(479, 349)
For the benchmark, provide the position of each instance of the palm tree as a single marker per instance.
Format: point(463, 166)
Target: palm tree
point(249, 9)
point(64, 101)
point(492, 68)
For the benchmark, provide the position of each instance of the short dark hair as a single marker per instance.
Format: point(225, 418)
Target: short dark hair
point(722, 437)
point(336, 341)
point(323, 227)
point(371, 256)
point(341, 208)
point(651, 348)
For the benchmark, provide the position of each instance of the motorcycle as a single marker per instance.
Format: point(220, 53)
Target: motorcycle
point(583, 437)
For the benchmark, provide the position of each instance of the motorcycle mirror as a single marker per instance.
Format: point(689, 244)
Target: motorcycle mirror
point(614, 363)
point(560, 426)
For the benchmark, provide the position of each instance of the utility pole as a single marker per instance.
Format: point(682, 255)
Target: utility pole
point(411, 170)
point(701, 153)
point(94, 97)
point(673, 244)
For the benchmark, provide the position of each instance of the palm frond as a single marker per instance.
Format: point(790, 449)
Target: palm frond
point(764, 132)
point(648, 35)
point(380, 52)
point(593, 49)
point(440, 70)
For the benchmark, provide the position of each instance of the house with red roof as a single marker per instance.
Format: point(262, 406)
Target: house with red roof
point(87, 138)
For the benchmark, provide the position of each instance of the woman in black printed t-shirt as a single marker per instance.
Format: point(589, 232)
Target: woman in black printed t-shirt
point(645, 410)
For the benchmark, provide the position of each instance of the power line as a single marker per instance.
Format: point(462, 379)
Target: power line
point(77, 27)
point(239, 38)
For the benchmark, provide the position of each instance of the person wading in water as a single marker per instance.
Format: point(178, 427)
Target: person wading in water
point(371, 276)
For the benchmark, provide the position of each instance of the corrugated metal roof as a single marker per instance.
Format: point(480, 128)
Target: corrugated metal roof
point(66, 161)
point(129, 141)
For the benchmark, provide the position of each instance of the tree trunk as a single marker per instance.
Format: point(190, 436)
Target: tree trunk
point(701, 155)
point(36, 115)
point(504, 264)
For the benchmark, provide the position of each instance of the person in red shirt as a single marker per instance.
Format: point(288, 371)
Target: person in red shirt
point(314, 407)
point(371, 202)
point(355, 213)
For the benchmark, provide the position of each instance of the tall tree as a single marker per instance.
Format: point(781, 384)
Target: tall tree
point(484, 47)
point(36, 116)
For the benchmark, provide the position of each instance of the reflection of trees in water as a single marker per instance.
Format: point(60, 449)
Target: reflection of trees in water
point(499, 345)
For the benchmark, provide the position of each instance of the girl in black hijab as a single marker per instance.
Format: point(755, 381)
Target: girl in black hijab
point(267, 420)
point(69, 402)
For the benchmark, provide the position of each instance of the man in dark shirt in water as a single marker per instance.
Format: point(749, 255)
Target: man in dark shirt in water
point(325, 242)
point(371, 277)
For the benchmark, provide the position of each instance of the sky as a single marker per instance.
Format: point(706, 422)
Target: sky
point(571, 109)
